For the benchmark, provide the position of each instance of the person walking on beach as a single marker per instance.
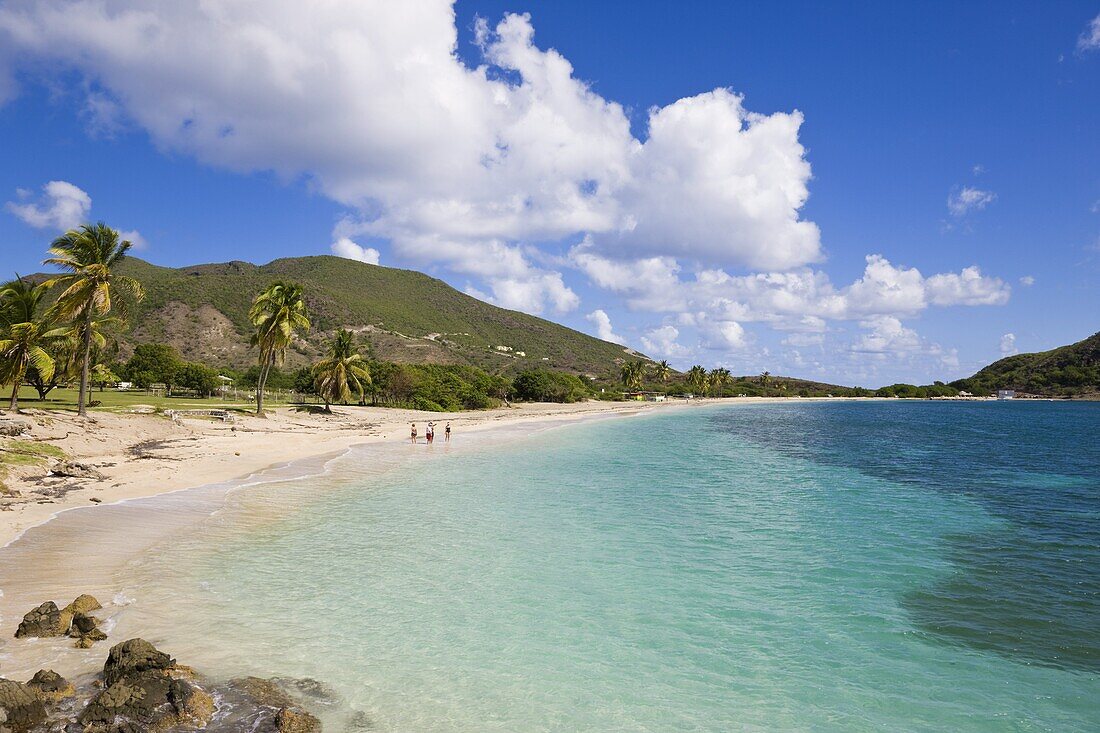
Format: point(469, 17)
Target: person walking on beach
point(447, 433)
point(414, 432)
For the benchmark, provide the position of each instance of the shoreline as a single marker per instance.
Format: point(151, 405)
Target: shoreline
point(139, 456)
point(135, 454)
point(110, 540)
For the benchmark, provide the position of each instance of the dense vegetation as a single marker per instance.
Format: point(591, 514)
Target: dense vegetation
point(1068, 371)
point(401, 316)
point(71, 329)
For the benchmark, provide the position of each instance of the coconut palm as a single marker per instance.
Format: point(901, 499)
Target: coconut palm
point(23, 335)
point(342, 374)
point(662, 371)
point(65, 339)
point(277, 313)
point(66, 365)
point(720, 377)
point(765, 377)
point(697, 378)
point(89, 292)
point(632, 374)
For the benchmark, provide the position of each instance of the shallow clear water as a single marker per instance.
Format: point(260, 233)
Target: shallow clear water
point(814, 566)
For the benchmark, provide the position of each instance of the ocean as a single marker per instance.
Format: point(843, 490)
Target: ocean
point(805, 566)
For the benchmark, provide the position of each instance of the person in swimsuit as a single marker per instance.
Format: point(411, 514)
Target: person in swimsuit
point(429, 434)
point(414, 432)
point(447, 433)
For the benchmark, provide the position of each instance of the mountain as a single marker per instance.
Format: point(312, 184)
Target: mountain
point(404, 316)
point(1068, 371)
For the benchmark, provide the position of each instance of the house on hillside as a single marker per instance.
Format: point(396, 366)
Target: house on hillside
point(1006, 394)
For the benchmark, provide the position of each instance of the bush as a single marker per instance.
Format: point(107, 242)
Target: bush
point(198, 378)
point(539, 385)
point(152, 363)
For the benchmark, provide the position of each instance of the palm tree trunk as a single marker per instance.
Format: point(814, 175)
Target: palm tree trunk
point(261, 382)
point(14, 406)
point(85, 367)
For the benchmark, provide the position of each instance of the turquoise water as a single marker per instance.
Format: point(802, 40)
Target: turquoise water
point(813, 566)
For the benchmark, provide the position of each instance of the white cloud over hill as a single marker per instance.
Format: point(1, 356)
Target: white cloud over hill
point(62, 206)
point(490, 170)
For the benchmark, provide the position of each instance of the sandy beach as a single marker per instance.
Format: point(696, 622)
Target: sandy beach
point(50, 551)
point(146, 455)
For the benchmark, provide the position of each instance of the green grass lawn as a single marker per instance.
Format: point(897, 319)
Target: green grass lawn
point(114, 401)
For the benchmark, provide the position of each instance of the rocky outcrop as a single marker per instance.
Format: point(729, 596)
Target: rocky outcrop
point(144, 690)
point(84, 603)
point(278, 712)
point(86, 631)
point(296, 720)
point(46, 620)
point(74, 469)
point(132, 657)
point(140, 688)
point(20, 708)
point(50, 687)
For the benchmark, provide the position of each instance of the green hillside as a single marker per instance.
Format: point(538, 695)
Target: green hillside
point(1068, 371)
point(405, 316)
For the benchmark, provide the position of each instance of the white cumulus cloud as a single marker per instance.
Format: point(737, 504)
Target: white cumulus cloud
point(661, 342)
point(370, 101)
point(63, 206)
point(1008, 345)
point(347, 248)
point(602, 322)
point(886, 334)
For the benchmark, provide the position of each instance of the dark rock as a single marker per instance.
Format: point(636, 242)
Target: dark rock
point(87, 641)
point(46, 620)
point(139, 696)
point(49, 686)
point(296, 720)
point(82, 624)
point(75, 469)
point(20, 708)
point(141, 689)
point(193, 705)
point(131, 657)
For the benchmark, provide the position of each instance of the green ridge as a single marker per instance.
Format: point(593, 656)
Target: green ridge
point(202, 311)
point(1068, 371)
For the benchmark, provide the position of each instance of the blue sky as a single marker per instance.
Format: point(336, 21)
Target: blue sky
point(624, 197)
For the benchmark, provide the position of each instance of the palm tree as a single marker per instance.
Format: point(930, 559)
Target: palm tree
point(720, 377)
point(90, 254)
point(632, 373)
point(697, 378)
point(100, 328)
point(662, 370)
point(277, 314)
point(765, 377)
point(24, 332)
point(344, 372)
